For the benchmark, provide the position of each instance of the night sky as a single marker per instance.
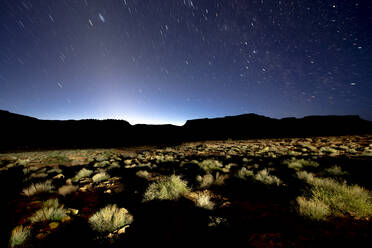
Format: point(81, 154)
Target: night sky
point(166, 61)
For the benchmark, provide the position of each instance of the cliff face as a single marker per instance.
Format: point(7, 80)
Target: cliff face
point(23, 132)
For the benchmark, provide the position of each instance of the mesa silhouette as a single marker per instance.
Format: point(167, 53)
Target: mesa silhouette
point(24, 132)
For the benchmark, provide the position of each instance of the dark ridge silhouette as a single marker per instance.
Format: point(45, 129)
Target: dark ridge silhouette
point(23, 132)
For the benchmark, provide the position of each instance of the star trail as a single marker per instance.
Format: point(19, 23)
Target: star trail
point(166, 61)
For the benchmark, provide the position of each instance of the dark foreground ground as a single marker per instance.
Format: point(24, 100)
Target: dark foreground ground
point(297, 192)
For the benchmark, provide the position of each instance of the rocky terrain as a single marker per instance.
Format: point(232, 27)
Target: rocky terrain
point(290, 192)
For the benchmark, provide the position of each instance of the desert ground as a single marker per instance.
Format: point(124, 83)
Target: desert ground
point(293, 192)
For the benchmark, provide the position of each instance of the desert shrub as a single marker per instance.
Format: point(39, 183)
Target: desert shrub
point(37, 188)
point(313, 209)
point(19, 235)
point(101, 164)
point(81, 174)
point(169, 188)
point(335, 171)
point(244, 173)
point(143, 174)
point(341, 198)
point(208, 180)
point(264, 177)
point(49, 213)
point(102, 176)
point(210, 165)
point(304, 175)
point(67, 189)
point(203, 200)
point(51, 203)
point(300, 163)
point(110, 218)
point(205, 181)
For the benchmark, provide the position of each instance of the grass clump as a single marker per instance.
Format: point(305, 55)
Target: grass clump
point(208, 180)
point(37, 188)
point(203, 200)
point(19, 235)
point(169, 188)
point(341, 199)
point(264, 177)
point(244, 173)
point(81, 174)
point(313, 209)
point(299, 163)
point(49, 214)
point(110, 218)
point(210, 165)
point(102, 176)
point(335, 171)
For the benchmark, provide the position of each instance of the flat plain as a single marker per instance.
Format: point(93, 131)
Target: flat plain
point(292, 192)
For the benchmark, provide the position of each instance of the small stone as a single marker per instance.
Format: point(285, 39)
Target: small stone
point(53, 225)
point(59, 176)
point(122, 230)
point(73, 211)
point(108, 191)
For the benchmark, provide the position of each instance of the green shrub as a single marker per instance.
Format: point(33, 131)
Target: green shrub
point(49, 214)
point(37, 188)
point(210, 165)
point(102, 176)
point(81, 174)
point(264, 177)
point(19, 235)
point(313, 209)
point(300, 163)
point(203, 200)
point(170, 188)
point(341, 198)
point(335, 171)
point(110, 218)
point(244, 173)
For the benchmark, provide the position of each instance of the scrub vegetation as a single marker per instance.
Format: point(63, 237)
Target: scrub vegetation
point(282, 192)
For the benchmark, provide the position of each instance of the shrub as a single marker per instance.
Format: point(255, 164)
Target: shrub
point(110, 218)
point(264, 177)
point(37, 188)
point(143, 174)
point(81, 174)
point(48, 213)
point(203, 200)
point(51, 203)
point(19, 235)
point(210, 165)
point(339, 197)
point(343, 199)
point(244, 173)
point(300, 163)
point(67, 189)
point(335, 171)
point(313, 209)
point(205, 181)
point(170, 188)
point(102, 176)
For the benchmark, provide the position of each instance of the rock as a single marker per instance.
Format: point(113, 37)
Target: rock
point(53, 225)
point(122, 230)
point(108, 191)
point(110, 236)
point(69, 181)
point(59, 176)
point(73, 211)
